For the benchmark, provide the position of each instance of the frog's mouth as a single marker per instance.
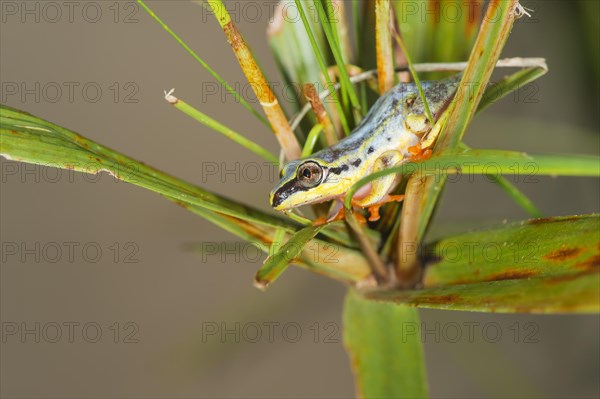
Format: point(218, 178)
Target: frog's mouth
point(283, 199)
point(291, 195)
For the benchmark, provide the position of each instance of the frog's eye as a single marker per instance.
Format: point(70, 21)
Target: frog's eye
point(310, 174)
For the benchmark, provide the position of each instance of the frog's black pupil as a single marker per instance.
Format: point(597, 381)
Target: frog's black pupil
point(306, 173)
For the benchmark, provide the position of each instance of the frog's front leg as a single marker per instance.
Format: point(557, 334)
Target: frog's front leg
point(380, 188)
point(416, 123)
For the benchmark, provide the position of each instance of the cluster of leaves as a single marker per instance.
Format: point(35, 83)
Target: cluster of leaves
point(560, 273)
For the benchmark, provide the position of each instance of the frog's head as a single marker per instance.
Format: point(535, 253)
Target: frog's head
point(303, 181)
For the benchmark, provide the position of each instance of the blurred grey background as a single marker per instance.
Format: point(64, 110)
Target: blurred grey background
point(141, 315)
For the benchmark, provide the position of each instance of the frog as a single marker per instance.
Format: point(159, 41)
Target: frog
point(394, 131)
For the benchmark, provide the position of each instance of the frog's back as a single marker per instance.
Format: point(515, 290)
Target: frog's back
point(384, 123)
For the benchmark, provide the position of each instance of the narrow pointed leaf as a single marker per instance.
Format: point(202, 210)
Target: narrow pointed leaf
point(509, 84)
point(224, 130)
point(279, 261)
point(317, 47)
point(302, 67)
point(385, 352)
point(187, 48)
point(30, 139)
point(420, 204)
point(26, 138)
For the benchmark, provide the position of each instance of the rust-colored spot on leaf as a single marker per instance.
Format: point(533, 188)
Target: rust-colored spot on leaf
point(439, 299)
point(312, 95)
point(590, 263)
point(551, 220)
point(434, 8)
point(233, 36)
point(511, 275)
point(472, 22)
point(181, 204)
point(567, 277)
point(561, 255)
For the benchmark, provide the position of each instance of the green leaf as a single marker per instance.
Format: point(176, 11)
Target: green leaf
point(509, 84)
point(319, 57)
point(385, 352)
point(221, 128)
point(415, 77)
point(547, 265)
point(560, 294)
point(330, 29)
point(191, 52)
point(513, 192)
point(27, 138)
point(490, 41)
point(441, 31)
point(533, 248)
point(285, 34)
point(311, 140)
point(30, 139)
point(491, 163)
point(422, 195)
point(278, 262)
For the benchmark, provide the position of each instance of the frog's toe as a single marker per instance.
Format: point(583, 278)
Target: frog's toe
point(374, 211)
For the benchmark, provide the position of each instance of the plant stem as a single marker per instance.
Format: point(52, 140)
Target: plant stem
point(204, 64)
point(279, 124)
point(219, 127)
point(383, 45)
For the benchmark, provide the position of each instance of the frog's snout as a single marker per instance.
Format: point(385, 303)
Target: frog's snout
point(276, 199)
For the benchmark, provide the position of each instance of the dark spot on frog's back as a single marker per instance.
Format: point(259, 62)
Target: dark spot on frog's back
point(339, 169)
point(357, 163)
point(371, 149)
